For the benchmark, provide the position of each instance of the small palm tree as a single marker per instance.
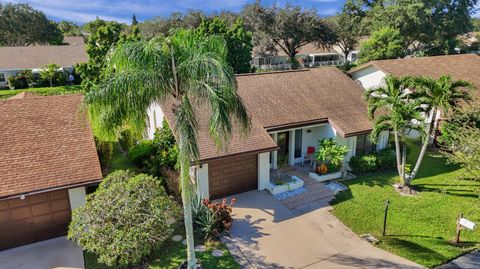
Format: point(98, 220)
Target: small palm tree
point(443, 94)
point(49, 72)
point(396, 111)
point(183, 70)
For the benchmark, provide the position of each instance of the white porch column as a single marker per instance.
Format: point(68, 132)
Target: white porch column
point(291, 148)
point(275, 153)
point(202, 181)
point(263, 170)
point(77, 197)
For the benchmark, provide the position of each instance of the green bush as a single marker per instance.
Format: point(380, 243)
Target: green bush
point(212, 219)
point(125, 219)
point(142, 152)
point(363, 164)
point(386, 159)
point(126, 140)
point(369, 163)
point(105, 152)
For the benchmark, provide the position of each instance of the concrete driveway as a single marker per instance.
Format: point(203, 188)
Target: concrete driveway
point(269, 235)
point(54, 253)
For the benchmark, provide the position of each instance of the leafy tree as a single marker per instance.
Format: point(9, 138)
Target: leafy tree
point(385, 43)
point(161, 25)
point(69, 28)
point(427, 26)
point(50, 72)
point(459, 119)
point(403, 114)
point(21, 25)
point(239, 41)
point(476, 24)
point(124, 219)
point(348, 26)
point(465, 151)
point(134, 20)
point(99, 43)
point(288, 29)
point(141, 72)
point(443, 94)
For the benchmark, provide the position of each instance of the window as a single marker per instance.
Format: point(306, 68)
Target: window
point(2, 77)
point(364, 145)
point(354, 57)
point(298, 143)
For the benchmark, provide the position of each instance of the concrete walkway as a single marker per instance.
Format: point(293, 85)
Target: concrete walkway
point(268, 235)
point(54, 253)
point(469, 261)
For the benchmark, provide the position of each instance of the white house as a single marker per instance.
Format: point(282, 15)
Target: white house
point(462, 66)
point(290, 111)
point(15, 59)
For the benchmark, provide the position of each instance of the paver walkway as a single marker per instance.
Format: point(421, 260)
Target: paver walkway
point(266, 234)
point(469, 261)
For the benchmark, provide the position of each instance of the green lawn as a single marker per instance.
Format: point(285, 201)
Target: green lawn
point(172, 254)
point(4, 94)
point(120, 161)
point(420, 228)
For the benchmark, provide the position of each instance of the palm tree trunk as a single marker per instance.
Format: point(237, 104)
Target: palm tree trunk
point(425, 144)
point(187, 214)
point(405, 178)
point(397, 153)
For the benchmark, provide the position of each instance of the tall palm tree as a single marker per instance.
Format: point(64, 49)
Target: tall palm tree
point(443, 94)
point(184, 70)
point(391, 108)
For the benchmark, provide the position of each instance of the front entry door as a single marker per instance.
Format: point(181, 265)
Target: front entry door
point(282, 142)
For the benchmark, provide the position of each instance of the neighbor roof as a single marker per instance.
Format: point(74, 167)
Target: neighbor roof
point(24, 95)
point(15, 58)
point(46, 143)
point(460, 66)
point(281, 100)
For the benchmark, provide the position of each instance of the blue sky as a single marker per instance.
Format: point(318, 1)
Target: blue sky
point(82, 11)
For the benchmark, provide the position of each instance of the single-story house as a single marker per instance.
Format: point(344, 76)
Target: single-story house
point(15, 59)
point(47, 159)
point(459, 66)
point(290, 111)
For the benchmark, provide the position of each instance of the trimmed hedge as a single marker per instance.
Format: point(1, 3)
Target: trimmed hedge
point(369, 163)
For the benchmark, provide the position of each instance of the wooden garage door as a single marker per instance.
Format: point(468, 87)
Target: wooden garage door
point(232, 175)
point(37, 217)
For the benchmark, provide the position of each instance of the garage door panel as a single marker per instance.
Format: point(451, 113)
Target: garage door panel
point(38, 217)
point(232, 175)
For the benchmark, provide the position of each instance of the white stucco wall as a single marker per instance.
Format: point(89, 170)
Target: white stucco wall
point(154, 119)
point(77, 197)
point(263, 170)
point(369, 77)
point(317, 133)
point(202, 181)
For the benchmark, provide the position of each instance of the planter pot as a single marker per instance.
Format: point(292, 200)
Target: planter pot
point(293, 185)
point(329, 176)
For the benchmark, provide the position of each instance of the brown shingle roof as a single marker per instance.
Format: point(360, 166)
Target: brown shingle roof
point(24, 95)
point(12, 58)
point(461, 66)
point(292, 98)
point(45, 143)
point(279, 100)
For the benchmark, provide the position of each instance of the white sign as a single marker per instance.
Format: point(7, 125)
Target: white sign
point(467, 224)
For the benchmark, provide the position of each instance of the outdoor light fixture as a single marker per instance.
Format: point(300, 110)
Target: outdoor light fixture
point(309, 131)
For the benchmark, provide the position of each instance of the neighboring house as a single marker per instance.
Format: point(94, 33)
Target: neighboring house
point(290, 111)
point(15, 59)
point(47, 159)
point(310, 55)
point(461, 66)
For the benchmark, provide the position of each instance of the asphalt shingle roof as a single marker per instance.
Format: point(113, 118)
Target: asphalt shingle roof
point(46, 142)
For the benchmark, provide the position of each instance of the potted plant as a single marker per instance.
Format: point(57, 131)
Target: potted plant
point(329, 158)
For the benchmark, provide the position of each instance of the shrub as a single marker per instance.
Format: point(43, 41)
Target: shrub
point(124, 219)
point(363, 164)
point(212, 219)
point(21, 80)
point(126, 140)
point(330, 154)
point(386, 159)
point(141, 152)
point(104, 151)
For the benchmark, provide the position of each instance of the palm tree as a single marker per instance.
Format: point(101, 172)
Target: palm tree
point(443, 94)
point(183, 70)
point(391, 108)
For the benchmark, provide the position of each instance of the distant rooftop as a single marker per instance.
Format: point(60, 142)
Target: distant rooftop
point(32, 57)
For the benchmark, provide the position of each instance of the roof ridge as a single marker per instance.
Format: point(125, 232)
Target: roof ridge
point(272, 72)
